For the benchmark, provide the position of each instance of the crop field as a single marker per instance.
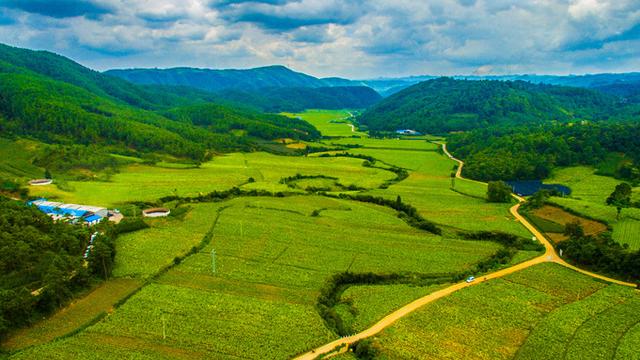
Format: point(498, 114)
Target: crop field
point(369, 303)
point(272, 258)
point(144, 252)
point(588, 197)
point(328, 122)
point(148, 183)
point(428, 189)
point(396, 144)
point(544, 312)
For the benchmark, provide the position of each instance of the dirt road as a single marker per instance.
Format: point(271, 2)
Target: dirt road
point(550, 255)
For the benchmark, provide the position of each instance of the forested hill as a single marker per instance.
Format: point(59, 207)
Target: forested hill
point(55, 100)
point(444, 104)
point(215, 80)
point(56, 67)
point(294, 99)
point(272, 88)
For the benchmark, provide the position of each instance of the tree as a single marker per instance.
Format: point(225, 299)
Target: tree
point(498, 191)
point(574, 230)
point(620, 198)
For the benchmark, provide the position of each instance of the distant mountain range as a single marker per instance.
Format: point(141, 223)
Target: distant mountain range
point(623, 84)
point(271, 88)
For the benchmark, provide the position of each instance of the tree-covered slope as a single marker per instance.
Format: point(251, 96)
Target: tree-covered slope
point(55, 100)
point(222, 119)
point(299, 99)
point(215, 80)
point(531, 152)
point(272, 88)
point(56, 67)
point(444, 104)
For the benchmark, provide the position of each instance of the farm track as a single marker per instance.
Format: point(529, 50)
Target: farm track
point(550, 255)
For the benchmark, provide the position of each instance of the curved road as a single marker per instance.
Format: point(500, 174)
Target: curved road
point(549, 255)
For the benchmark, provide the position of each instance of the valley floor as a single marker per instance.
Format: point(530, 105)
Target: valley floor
point(251, 277)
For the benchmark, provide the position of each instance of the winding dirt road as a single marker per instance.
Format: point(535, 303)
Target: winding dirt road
point(550, 255)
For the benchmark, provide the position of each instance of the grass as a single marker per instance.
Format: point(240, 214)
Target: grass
point(73, 316)
point(588, 197)
point(328, 122)
point(539, 313)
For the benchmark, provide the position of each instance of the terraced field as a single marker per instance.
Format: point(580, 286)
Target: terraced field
point(544, 312)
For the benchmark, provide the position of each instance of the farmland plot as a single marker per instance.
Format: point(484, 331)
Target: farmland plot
point(542, 312)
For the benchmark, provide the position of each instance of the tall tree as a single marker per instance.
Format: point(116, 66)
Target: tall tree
point(620, 198)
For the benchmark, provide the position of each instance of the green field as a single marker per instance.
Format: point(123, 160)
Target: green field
point(148, 183)
point(366, 304)
point(328, 122)
point(273, 255)
point(544, 312)
point(428, 189)
point(396, 144)
point(268, 275)
point(588, 197)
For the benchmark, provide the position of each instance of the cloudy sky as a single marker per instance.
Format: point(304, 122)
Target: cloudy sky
point(356, 39)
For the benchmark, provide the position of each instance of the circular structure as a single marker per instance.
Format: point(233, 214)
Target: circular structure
point(156, 212)
point(38, 182)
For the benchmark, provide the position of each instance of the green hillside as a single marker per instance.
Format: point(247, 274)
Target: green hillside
point(444, 105)
point(215, 80)
point(295, 99)
point(52, 99)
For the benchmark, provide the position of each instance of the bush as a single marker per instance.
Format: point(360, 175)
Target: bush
point(499, 192)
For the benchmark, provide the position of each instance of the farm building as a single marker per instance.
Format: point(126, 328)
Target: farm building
point(407, 132)
point(76, 214)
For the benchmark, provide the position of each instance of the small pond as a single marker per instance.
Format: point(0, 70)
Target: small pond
point(530, 187)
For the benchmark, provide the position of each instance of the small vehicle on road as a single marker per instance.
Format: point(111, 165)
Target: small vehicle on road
point(470, 279)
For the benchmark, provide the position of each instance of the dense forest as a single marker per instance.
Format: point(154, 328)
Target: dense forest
point(55, 100)
point(295, 99)
point(222, 119)
point(216, 80)
point(42, 263)
point(446, 105)
point(518, 153)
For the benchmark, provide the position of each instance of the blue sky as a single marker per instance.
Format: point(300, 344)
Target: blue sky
point(355, 39)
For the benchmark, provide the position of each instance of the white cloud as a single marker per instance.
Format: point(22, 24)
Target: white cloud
point(354, 38)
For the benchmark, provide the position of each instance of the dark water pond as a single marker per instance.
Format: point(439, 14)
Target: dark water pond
point(530, 187)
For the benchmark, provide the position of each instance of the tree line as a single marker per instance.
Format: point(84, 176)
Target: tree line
point(531, 152)
point(42, 264)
